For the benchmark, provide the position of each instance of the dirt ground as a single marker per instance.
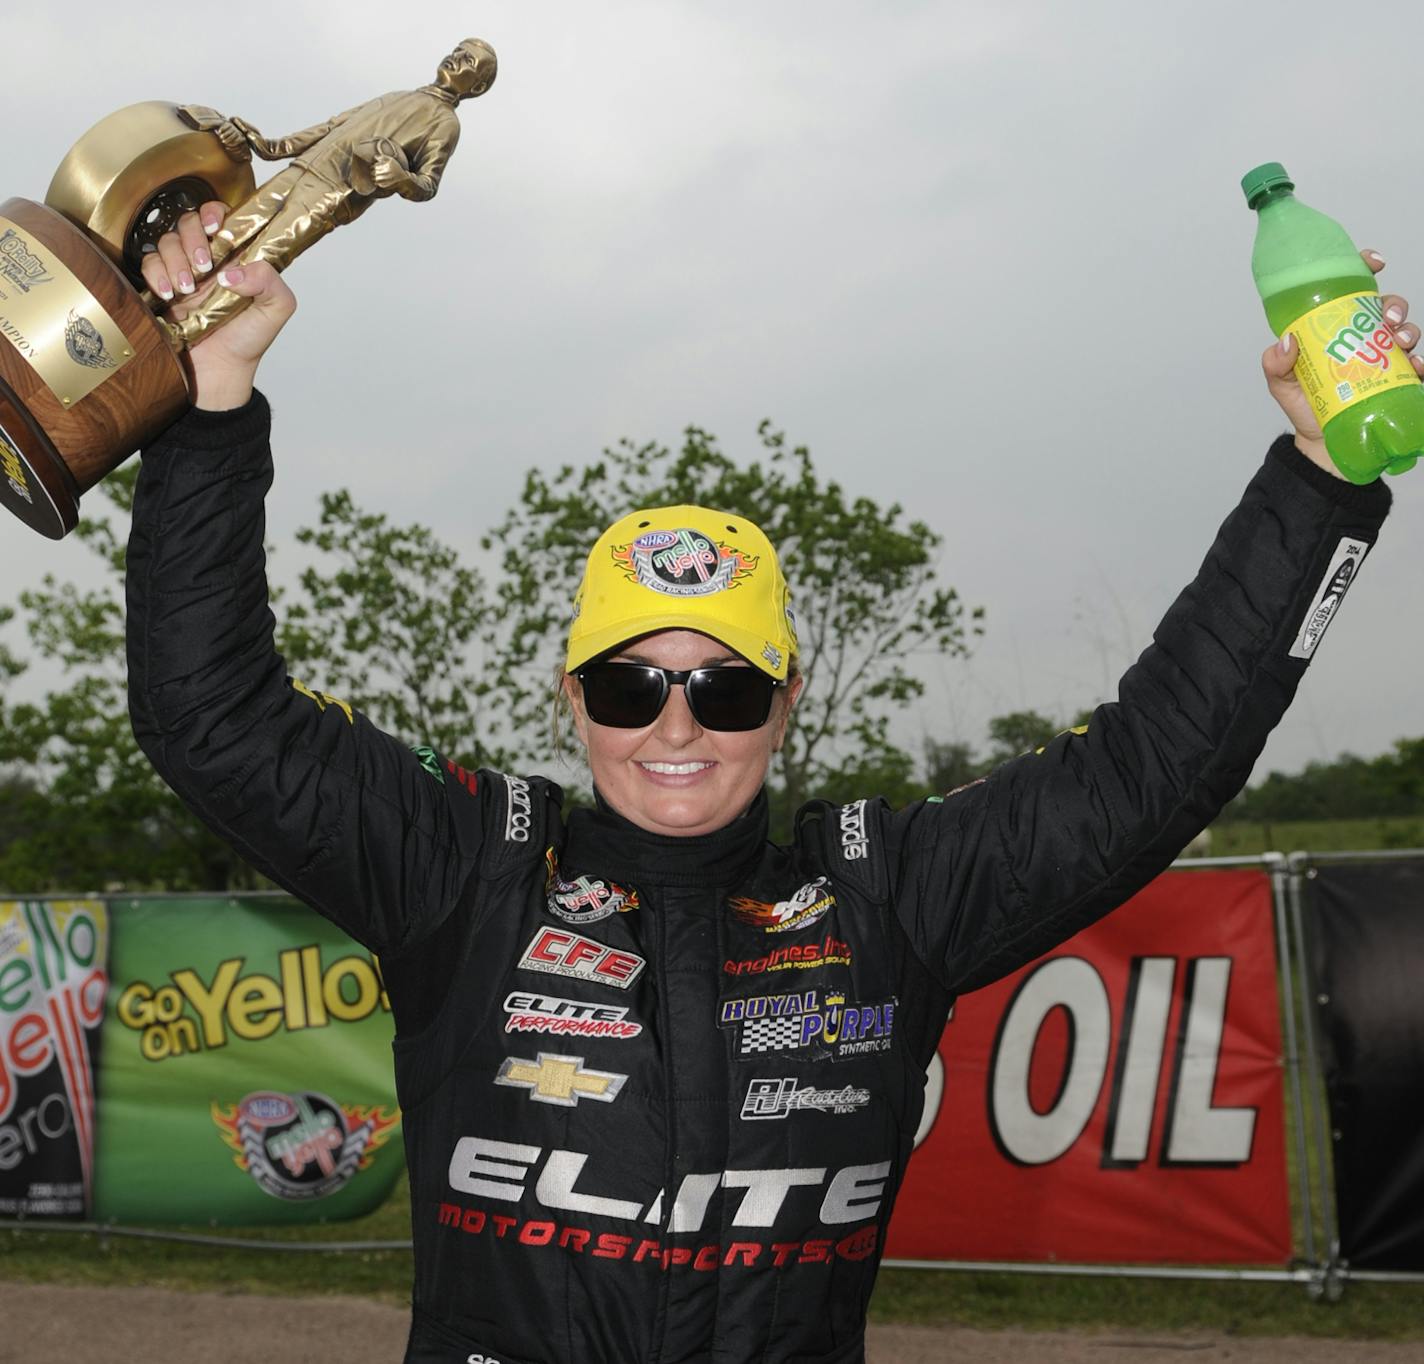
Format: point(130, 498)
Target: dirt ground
point(104, 1325)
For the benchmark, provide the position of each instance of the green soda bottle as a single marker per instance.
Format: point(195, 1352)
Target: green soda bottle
point(1367, 398)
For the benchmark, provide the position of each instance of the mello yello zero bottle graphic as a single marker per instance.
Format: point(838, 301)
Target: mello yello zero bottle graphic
point(1366, 396)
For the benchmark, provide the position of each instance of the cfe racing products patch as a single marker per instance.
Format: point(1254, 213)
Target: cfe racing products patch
point(302, 1145)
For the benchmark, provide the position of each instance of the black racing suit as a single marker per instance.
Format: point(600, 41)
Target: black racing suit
point(658, 1092)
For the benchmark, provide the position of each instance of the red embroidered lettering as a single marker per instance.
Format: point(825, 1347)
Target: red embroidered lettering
point(619, 965)
point(859, 1245)
point(582, 950)
point(707, 1258)
point(546, 943)
point(573, 1238)
point(611, 1247)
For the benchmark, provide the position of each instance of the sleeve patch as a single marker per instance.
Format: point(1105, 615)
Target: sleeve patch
point(429, 761)
point(466, 779)
point(1344, 565)
point(322, 699)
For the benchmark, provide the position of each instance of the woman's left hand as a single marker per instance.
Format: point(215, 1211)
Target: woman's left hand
point(1279, 365)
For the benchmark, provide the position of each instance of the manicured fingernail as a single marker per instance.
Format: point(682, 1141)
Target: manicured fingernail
point(185, 282)
point(1394, 315)
point(210, 225)
point(1285, 344)
point(227, 278)
point(202, 262)
point(1375, 256)
point(165, 291)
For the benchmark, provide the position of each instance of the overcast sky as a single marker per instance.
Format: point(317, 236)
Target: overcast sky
point(991, 261)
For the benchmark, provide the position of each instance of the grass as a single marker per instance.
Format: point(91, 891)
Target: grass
point(1315, 835)
point(91, 1259)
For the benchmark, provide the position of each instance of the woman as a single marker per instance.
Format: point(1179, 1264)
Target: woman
point(660, 1078)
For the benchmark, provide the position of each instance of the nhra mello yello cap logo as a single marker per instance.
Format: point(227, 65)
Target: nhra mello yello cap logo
point(684, 568)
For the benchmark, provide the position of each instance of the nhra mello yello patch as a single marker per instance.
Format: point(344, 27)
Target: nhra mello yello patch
point(302, 1145)
point(682, 562)
point(585, 899)
point(807, 906)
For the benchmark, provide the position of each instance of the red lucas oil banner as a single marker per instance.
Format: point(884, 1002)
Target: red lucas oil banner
point(1119, 1100)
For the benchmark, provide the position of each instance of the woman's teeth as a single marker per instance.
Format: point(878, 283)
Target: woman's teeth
point(675, 769)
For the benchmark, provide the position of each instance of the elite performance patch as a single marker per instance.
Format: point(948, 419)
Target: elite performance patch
point(1344, 565)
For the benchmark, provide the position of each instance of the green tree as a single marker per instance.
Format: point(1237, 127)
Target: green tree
point(1020, 731)
point(84, 810)
point(1349, 787)
point(951, 764)
point(863, 582)
point(1407, 776)
point(394, 623)
point(390, 618)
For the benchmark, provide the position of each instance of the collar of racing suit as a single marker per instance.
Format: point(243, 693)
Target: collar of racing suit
point(601, 838)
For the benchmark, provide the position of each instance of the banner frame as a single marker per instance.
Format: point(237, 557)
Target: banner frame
point(1321, 1270)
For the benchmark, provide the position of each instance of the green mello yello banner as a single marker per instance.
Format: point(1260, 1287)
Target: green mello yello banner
point(191, 1060)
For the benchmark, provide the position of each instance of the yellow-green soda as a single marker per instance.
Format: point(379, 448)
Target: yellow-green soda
point(1367, 398)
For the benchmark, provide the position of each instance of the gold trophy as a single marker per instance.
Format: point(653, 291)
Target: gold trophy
point(88, 369)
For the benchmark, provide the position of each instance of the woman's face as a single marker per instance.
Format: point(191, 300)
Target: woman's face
point(673, 776)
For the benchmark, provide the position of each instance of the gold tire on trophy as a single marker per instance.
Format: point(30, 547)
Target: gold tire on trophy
point(76, 402)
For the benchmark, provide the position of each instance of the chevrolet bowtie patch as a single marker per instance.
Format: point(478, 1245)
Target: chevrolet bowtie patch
point(553, 1079)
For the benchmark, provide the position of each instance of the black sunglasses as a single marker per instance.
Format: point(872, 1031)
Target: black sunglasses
point(632, 695)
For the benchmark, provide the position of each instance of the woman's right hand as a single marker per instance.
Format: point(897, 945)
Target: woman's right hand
point(224, 363)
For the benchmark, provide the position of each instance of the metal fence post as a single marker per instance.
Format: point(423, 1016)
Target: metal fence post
point(1329, 1283)
point(1275, 864)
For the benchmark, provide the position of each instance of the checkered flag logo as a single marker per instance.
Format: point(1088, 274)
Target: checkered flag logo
point(770, 1034)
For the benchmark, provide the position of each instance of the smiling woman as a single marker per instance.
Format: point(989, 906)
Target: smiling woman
point(660, 1076)
point(680, 726)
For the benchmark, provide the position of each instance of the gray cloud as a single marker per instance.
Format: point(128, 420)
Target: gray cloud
point(990, 262)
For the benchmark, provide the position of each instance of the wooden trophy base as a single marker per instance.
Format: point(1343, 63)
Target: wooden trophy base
point(86, 373)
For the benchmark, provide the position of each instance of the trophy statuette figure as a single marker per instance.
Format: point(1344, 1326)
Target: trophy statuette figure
point(89, 369)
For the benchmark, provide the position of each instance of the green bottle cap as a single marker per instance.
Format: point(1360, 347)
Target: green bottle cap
point(1256, 183)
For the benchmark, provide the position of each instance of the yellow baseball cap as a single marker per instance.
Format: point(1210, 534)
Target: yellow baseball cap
point(684, 568)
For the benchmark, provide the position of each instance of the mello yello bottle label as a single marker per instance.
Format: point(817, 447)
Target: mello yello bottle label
point(1347, 354)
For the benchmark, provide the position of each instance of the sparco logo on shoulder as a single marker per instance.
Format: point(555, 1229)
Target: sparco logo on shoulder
point(517, 821)
point(854, 843)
